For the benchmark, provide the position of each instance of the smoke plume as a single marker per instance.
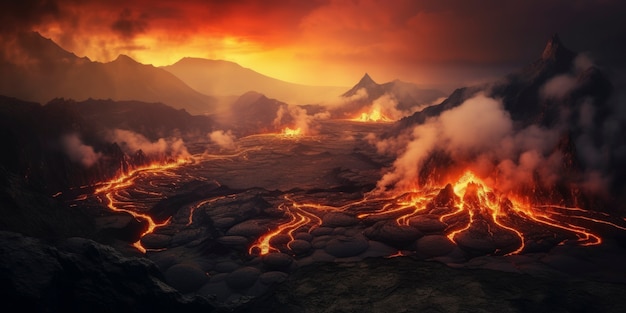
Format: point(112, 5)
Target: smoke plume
point(478, 135)
point(78, 151)
point(131, 142)
point(224, 139)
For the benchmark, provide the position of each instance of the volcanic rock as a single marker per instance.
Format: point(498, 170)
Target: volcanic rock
point(86, 276)
point(122, 226)
point(322, 231)
point(391, 233)
point(243, 278)
point(270, 278)
point(224, 222)
point(185, 236)
point(303, 236)
point(434, 246)
point(336, 219)
point(344, 247)
point(250, 228)
point(299, 247)
point(226, 266)
point(427, 224)
point(185, 277)
point(235, 241)
point(277, 260)
point(155, 241)
point(474, 244)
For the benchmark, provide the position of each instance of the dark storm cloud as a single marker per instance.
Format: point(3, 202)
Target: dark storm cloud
point(128, 26)
point(17, 15)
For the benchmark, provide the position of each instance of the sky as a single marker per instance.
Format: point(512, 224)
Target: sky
point(330, 42)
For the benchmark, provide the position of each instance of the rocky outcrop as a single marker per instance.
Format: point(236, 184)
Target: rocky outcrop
point(80, 275)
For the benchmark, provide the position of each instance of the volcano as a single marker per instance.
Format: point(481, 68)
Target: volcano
point(490, 193)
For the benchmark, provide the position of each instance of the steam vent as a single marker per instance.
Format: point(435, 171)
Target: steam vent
point(329, 157)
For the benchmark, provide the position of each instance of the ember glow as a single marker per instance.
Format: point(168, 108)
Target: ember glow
point(114, 191)
point(292, 132)
point(374, 115)
point(473, 209)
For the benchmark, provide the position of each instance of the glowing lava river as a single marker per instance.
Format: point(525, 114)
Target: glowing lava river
point(280, 201)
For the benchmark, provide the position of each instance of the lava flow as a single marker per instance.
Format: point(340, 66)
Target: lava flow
point(469, 209)
point(113, 193)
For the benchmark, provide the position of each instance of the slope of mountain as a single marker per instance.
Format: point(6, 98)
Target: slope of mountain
point(224, 79)
point(34, 68)
point(561, 93)
point(523, 92)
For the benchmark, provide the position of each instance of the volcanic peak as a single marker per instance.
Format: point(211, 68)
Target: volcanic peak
point(366, 80)
point(556, 50)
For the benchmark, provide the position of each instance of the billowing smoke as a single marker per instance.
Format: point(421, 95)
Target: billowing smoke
point(78, 151)
point(224, 139)
point(131, 142)
point(478, 135)
point(297, 117)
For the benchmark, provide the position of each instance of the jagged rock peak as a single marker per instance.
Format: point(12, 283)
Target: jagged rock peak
point(366, 80)
point(555, 49)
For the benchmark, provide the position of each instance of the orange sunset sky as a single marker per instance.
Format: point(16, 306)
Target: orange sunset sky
point(329, 42)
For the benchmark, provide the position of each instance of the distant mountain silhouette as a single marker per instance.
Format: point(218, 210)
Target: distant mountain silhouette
point(224, 79)
point(34, 68)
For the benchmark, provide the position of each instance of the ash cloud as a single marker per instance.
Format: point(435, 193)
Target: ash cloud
point(78, 151)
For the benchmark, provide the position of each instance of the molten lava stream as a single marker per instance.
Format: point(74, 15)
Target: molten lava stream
point(298, 219)
point(474, 207)
point(112, 188)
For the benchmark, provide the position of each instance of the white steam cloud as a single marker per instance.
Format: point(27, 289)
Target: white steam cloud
point(131, 142)
point(478, 135)
point(298, 118)
point(224, 139)
point(78, 151)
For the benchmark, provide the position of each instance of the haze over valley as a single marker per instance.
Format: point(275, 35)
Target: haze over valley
point(343, 157)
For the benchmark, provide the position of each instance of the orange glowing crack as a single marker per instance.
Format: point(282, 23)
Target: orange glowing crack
point(127, 180)
point(473, 198)
point(151, 224)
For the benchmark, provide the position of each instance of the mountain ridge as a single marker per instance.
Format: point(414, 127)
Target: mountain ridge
point(226, 79)
point(37, 69)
